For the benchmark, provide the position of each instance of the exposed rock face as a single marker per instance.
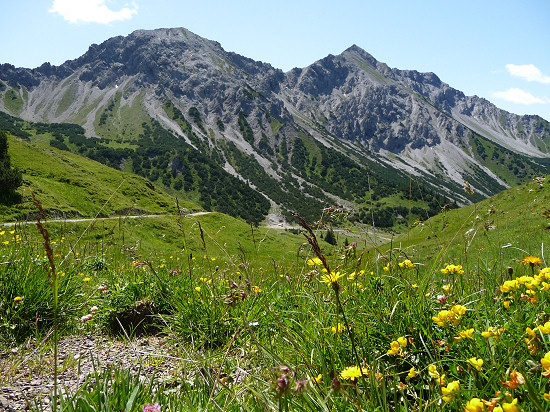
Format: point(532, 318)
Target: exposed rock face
point(413, 121)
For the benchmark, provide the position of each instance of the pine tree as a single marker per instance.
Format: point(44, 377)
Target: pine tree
point(330, 238)
point(10, 178)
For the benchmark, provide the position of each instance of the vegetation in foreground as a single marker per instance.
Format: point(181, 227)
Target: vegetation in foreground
point(454, 320)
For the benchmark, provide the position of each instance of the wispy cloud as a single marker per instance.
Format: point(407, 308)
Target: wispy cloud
point(91, 11)
point(519, 96)
point(528, 72)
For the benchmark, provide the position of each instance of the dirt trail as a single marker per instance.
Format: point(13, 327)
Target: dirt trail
point(89, 219)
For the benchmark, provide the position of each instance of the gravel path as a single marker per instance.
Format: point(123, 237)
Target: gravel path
point(26, 375)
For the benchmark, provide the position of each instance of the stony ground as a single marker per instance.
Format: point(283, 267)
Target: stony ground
point(26, 373)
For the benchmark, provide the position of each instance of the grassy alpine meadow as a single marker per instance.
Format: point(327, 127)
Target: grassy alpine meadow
point(453, 315)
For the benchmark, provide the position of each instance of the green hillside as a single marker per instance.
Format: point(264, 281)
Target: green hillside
point(70, 185)
point(515, 219)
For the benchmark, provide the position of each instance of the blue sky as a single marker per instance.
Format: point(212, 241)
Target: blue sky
point(498, 50)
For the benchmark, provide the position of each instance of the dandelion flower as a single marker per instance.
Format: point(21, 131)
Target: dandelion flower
point(331, 278)
point(314, 261)
point(531, 260)
point(351, 373)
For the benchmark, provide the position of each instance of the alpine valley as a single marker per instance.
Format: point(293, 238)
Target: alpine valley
point(244, 138)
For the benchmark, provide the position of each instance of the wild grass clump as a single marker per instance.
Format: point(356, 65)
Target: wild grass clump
point(424, 326)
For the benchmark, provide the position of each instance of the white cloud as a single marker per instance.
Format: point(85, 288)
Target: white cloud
point(521, 97)
point(528, 72)
point(90, 11)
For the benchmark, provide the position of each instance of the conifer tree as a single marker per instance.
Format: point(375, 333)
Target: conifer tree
point(10, 178)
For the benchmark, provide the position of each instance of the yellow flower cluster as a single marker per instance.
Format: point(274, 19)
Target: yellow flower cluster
point(445, 318)
point(450, 390)
point(397, 345)
point(406, 264)
point(465, 334)
point(452, 270)
point(339, 328)
point(533, 285)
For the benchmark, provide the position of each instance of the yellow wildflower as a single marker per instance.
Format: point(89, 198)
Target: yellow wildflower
point(511, 406)
point(338, 328)
point(395, 348)
point(465, 334)
point(450, 390)
point(453, 316)
point(531, 260)
point(452, 270)
point(352, 373)
point(432, 371)
point(17, 299)
point(446, 287)
point(476, 363)
point(402, 341)
point(412, 373)
point(509, 286)
point(546, 397)
point(516, 379)
point(545, 362)
point(543, 328)
point(331, 278)
point(314, 261)
point(406, 264)
point(474, 405)
point(198, 288)
point(318, 378)
point(492, 332)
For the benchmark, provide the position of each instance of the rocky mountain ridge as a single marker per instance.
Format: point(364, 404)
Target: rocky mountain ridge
point(404, 122)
